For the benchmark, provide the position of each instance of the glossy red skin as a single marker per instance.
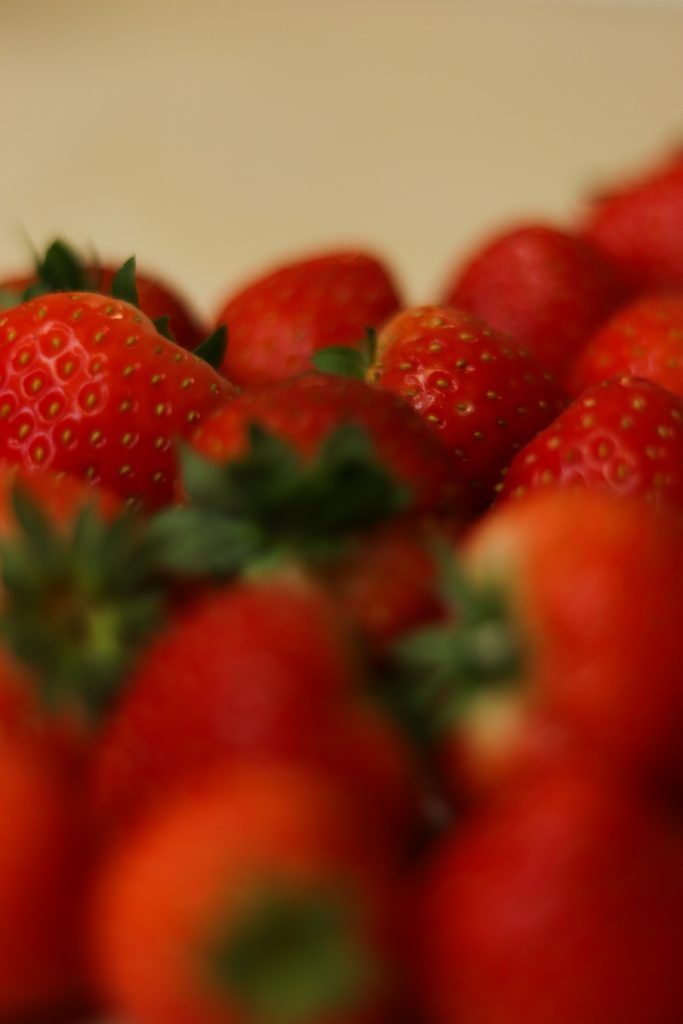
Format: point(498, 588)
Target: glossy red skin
point(187, 872)
point(624, 435)
point(279, 320)
point(305, 410)
point(591, 584)
point(642, 339)
point(544, 287)
point(42, 872)
point(156, 298)
point(256, 668)
point(638, 226)
point(77, 394)
point(482, 395)
point(561, 903)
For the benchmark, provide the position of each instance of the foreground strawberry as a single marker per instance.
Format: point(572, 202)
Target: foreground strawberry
point(624, 435)
point(567, 609)
point(260, 667)
point(545, 288)
point(278, 321)
point(561, 903)
point(481, 394)
point(61, 269)
point(256, 899)
point(642, 339)
point(88, 386)
point(42, 876)
point(638, 225)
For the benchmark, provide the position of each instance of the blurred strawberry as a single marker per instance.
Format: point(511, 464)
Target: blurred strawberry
point(254, 899)
point(544, 287)
point(562, 902)
point(638, 225)
point(642, 339)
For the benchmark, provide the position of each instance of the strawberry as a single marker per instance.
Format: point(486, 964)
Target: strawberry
point(61, 269)
point(79, 597)
point(278, 321)
point(88, 386)
point(566, 621)
point(255, 899)
point(638, 225)
point(624, 435)
point(42, 871)
point(306, 410)
point(481, 394)
point(261, 667)
point(561, 903)
point(544, 287)
point(642, 339)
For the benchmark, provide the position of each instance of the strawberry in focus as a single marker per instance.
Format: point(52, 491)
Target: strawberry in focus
point(88, 386)
point(545, 288)
point(278, 321)
point(624, 435)
point(481, 394)
point(61, 269)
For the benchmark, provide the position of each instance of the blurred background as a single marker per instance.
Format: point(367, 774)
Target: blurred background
point(214, 138)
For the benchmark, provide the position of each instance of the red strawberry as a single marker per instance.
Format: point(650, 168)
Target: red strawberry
point(482, 395)
point(61, 269)
point(42, 873)
point(567, 610)
point(87, 385)
point(306, 410)
point(561, 903)
point(257, 668)
point(254, 899)
point(642, 339)
point(638, 225)
point(278, 321)
point(624, 435)
point(545, 288)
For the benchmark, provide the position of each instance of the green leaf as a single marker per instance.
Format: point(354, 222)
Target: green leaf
point(162, 325)
point(10, 297)
point(347, 360)
point(212, 350)
point(124, 286)
point(62, 270)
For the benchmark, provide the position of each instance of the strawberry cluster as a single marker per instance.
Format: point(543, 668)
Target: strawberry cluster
point(340, 676)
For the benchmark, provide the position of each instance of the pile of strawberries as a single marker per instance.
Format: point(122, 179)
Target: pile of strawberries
point(340, 653)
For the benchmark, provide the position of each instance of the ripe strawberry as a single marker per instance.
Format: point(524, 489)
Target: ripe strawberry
point(624, 435)
point(278, 321)
point(88, 386)
point(61, 269)
point(482, 395)
point(638, 226)
point(306, 410)
point(561, 903)
point(257, 668)
point(642, 339)
point(42, 869)
point(255, 899)
point(545, 288)
point(567, 609)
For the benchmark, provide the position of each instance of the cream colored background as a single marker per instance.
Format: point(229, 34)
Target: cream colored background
point(212, 138)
